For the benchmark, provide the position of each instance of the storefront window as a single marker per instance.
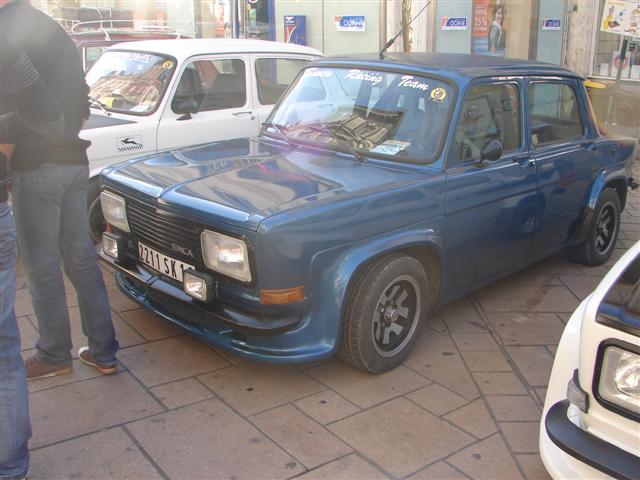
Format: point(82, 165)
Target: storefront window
point(609, 46)
point(254, 17)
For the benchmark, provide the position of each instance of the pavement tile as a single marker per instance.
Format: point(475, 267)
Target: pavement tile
point(80, 372)
point(326, 407)
point(486, 361)
point(436, 357)
point(522, 437)
point(400, 436)
point(209, 440)
point(78, 408)
point(436, 323)
point(527, 299)
point(149, 325)
point(437, 399)
point(513, 408)
point(533, 467)
point(533, 362)
point(466, 325)
point(181, 393)
point(541, 394)
point(107, 455)
point(474, 342)
point(527, 328)
point(488, 459)
point(170, 359)
point(255, 387)
point(580, 285)
point(23, 305)
point(474, 418)
point(231, 357)
point(461, 308)
point(364, 389)
point(28, 333)
point(438, 471)
point(300, 436)
point(350, 467)
point(118, 301)
point(499, 383)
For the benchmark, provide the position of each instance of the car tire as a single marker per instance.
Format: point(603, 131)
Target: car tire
point(97, 224)
point(384, 313)
point(603, 231)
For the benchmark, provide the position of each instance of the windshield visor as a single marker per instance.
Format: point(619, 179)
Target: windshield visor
point(377, 113)
point(130, 82)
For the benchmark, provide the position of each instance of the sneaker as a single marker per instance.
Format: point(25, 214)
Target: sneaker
point(104, 368)
point(36, 368)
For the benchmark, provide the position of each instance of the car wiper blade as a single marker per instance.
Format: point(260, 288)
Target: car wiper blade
point(94, 102)
point(280, 129)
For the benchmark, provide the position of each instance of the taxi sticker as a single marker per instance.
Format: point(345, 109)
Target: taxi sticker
point(167, 65)
point(438, 94)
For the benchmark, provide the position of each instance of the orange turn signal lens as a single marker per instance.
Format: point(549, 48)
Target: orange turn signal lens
point(282, 297)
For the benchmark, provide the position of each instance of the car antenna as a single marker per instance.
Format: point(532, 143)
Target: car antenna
point(390, 42)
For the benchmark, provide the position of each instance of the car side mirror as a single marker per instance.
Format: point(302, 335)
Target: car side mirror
point(186, 108)
point(491, 151)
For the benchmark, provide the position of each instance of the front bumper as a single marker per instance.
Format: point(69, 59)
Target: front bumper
point(288, 339)
point(579, 446)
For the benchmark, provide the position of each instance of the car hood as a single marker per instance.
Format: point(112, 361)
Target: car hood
point(244, 181)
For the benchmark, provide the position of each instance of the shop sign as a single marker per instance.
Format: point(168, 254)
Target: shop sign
point(295, 29)
point(621, 17)
point(551, 24)
point(454, 23)
point(349, 23)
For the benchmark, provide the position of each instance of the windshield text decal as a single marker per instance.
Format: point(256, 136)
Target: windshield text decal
point(408, 81)
point(364, 76)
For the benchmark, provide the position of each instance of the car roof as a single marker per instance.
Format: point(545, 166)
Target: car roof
point(185, 48)
point(470, 66)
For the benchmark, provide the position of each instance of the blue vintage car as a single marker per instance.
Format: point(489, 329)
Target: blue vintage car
point(377, 190)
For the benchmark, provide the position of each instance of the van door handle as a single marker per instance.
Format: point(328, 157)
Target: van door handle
point(247, 112)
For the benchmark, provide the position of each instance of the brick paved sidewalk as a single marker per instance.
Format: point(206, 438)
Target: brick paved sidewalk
point(466, 403)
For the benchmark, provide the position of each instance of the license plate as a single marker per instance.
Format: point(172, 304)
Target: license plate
point(165, 265)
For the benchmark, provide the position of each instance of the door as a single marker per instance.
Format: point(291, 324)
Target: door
point(219, 89)
point(272, 76)
point(490, 206)
point(565, 157)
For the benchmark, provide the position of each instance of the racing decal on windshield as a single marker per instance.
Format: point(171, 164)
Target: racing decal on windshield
point(316, 72)
point(364, 76)
point(130, 144)
point(408, 81)
point(438, 94)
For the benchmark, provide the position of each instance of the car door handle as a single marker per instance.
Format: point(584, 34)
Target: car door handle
point(524, 160)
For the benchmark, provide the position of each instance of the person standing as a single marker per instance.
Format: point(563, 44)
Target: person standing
point(50, 205)
point(36, 114)
point(497, 34)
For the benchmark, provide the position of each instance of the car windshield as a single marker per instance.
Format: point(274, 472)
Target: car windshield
point(366, 112)
point(129, 82)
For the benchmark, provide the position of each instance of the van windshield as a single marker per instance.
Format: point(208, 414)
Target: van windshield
point(372, 112)
point(130, 82)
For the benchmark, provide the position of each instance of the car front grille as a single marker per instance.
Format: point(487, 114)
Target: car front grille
point(160, 229)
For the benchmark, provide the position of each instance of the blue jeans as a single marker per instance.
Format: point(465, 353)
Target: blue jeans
point(15, 429)
point(50, 208)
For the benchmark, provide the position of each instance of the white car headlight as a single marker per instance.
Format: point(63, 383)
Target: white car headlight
point(226, 255)
point(620, 378)
point(114, 210)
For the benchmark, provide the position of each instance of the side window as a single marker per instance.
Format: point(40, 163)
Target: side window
point(213, 84)
point(555, 113)
point(274, 75)
point(489, 112)
point(91, 55)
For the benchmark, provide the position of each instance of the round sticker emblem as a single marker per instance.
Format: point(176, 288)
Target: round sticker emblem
point(167, 65)
point(438, 94)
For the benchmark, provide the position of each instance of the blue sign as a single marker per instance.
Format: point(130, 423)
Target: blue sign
point(349, 23)
point(295, 29)
point(454, 23)
point(551, 24)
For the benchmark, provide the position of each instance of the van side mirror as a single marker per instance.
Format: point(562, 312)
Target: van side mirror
point(186, 108)
point(491, 151)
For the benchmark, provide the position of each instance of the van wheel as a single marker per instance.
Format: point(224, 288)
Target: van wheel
point(384, 314)
point(603, 231)
point(97, 225)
